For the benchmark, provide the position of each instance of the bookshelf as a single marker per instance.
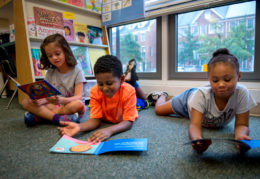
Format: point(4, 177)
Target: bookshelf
point(24, 9)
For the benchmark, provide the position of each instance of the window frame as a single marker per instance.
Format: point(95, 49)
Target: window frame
point(172, 52)
point(148, 75)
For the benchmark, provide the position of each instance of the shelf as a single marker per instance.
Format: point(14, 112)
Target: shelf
point(72, 6)
point(7, 44)
point(35, 39)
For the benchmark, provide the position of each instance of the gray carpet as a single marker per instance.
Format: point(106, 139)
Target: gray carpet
point(25, 151)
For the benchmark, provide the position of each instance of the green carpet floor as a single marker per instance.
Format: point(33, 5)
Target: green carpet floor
point(25, 151)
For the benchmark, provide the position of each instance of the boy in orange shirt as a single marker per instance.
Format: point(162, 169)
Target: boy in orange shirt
point(111, 99)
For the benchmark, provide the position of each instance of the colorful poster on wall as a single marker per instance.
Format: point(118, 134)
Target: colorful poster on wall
point(94, 5)
point(117, 11)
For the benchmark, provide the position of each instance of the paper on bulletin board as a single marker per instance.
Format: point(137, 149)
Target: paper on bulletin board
point(117, 11)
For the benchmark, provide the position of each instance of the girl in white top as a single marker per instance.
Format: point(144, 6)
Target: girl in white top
point(64, 75)
point(216, 105)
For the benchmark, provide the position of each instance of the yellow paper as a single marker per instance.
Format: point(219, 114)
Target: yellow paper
point(205, 68)
point(68, 15)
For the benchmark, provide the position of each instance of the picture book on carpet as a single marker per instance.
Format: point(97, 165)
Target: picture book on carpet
point(71, 145)
point(38, 89)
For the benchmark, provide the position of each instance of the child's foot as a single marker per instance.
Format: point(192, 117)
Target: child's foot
point(30, 119)
point(154, 96)
point(70, 118)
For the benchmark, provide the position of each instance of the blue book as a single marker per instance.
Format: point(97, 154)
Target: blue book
point(38, 89)
point(71, 145)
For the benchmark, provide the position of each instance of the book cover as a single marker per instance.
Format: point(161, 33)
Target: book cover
point(36, 63)
point(82, 56)
point(94, 54)
point(69, 30)
point(95, 35)
point(78, 3)
point(80, 32)
point(31, 26)
point(89, 85)
point(94, 5)
point(71, 145)
point(38, 89)
point(48, 22)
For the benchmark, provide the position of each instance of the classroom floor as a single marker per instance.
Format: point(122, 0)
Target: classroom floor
point(25, 151)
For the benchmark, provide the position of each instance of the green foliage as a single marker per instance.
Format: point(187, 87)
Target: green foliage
point(239, 41)
point(129, 48)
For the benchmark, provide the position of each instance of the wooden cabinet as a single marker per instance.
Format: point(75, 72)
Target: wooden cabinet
point(23, 44)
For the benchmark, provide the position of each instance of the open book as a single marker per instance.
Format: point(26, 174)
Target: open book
point(71, 145)
point(38, 89)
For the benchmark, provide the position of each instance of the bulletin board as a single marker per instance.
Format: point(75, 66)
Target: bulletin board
point(118, 11)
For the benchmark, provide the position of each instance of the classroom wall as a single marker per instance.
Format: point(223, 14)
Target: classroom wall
point(6, 16)
point(174, 87)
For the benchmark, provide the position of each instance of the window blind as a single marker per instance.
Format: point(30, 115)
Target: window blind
point(162, 7)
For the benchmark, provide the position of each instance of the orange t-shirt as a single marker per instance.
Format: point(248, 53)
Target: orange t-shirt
point(122, 106)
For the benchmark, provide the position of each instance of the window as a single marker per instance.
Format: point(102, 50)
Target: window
point(142, 37)
point(203, 29)
point(125, 45)
point(230, 26)
point(151, 51)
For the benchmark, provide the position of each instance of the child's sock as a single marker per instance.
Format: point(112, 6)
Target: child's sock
point(30, 119)
point(71, 118)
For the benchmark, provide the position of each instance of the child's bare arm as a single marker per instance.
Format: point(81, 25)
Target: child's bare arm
point(65, 100)
point(195, 125)
point(105, 133)
point(195, 131)
point(241, 126)
point(71, 128)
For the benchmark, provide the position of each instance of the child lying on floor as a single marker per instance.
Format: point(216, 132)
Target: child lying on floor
point(111, 99)
point(216, 105)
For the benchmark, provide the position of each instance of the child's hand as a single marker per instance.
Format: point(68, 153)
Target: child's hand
point(242, 137)
point(57, 100)
point(201, 145)
point(242, 148)
point(100, 135)
point(70, 128)
point(39, 102)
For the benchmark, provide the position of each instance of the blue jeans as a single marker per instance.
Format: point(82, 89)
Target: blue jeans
point(179, 103)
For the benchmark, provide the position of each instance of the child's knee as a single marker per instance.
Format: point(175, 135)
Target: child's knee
point(158, 111)
point(26, 103)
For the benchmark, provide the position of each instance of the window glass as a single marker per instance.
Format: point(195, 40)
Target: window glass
point(133, 41)
point(230, 26)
